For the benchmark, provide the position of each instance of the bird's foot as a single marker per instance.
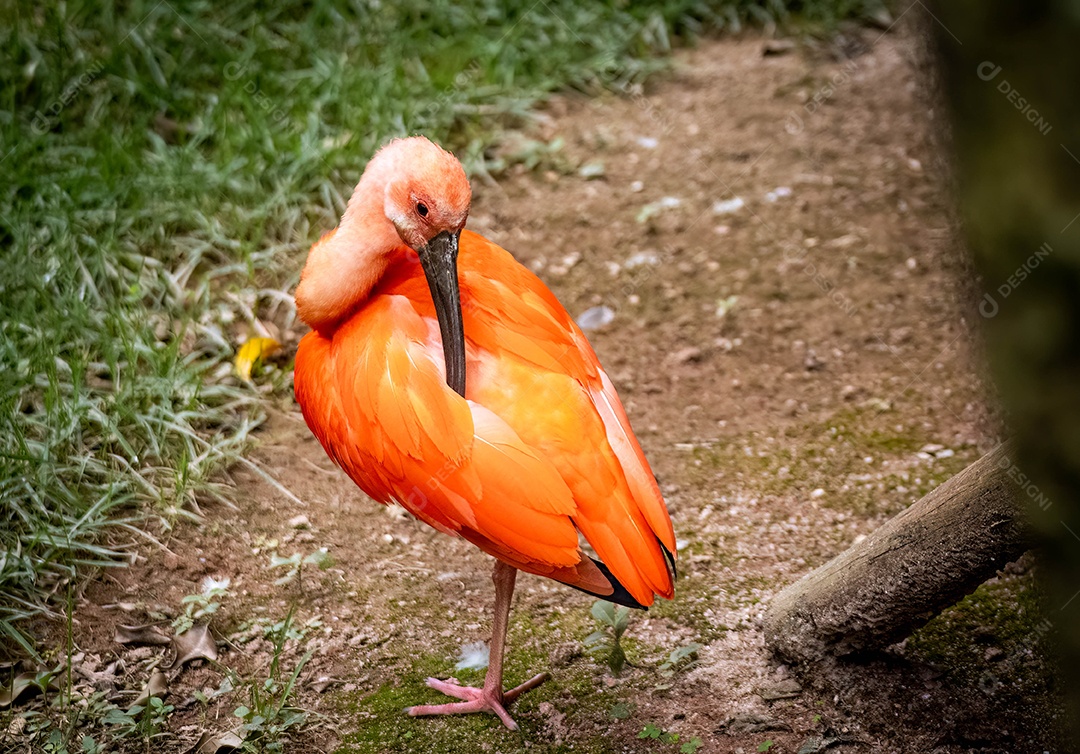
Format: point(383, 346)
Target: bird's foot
point(475, 699)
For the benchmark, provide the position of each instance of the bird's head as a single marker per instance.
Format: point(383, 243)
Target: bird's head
point(413, 192)
point(426, 194)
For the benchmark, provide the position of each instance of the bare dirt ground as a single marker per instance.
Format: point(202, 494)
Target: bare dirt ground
point(800, 365)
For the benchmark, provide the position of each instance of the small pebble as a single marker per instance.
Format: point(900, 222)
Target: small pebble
point(595, 318)
point(777, 47)
point(685, 355)
point(728, 206)
point(812, 362)
point(642, 258)
point(591, 170)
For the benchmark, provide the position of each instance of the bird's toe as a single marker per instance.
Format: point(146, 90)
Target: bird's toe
point(452, 687)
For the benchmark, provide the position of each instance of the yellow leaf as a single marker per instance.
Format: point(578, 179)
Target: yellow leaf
point(253, 351)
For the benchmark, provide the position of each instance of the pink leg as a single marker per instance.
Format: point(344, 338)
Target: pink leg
point(491, 697)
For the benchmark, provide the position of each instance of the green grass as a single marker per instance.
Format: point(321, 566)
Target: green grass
point(156, 155)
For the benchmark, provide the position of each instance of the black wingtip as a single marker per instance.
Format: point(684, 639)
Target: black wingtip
point(669, 558)
point(620, 596)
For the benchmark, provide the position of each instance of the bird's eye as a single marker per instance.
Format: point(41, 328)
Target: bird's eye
point(421, 209)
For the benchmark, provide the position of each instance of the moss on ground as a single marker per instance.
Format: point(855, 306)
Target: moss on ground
point(579, 689)
point(997, 639)
point(575, 690)
point(833, 461)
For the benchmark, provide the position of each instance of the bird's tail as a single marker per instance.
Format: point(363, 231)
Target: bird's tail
point(620, 595)
point(589, 575)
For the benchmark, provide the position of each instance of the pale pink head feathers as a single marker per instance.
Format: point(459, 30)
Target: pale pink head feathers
point(411, 190)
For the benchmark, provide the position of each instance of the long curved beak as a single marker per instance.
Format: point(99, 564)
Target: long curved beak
point(439, 260)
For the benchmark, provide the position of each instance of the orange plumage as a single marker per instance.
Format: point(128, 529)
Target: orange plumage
point(538, 449)
point(542, 444)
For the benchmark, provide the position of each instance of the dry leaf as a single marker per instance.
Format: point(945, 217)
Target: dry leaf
point(253, 351)
point(216, 743)
point(20, 684)
point(157, 686)
point(148, 634)
point(195, 644)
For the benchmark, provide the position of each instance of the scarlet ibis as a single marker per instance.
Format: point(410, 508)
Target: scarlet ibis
point(442, 374)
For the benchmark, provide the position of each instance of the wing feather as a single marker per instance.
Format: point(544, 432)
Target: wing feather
point(443, 458)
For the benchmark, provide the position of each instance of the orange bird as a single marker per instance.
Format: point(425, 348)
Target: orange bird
point(443, 375)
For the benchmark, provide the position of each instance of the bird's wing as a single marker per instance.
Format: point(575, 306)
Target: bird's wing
point(536, 370)
point(376, 398)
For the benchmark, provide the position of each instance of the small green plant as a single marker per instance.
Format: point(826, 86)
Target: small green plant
point(725, 305)
point(154, 718)
point(123, 721)
point(292, 631)
point(202, 605)
point(765, 745)
point(659, 734)
point(679, 660)
point(76, 724)
point(294, 565)
point(145, 721)
point(682, 658)
point(205, 697)
point(605, 643)
point(533, 154)
point(268, 717)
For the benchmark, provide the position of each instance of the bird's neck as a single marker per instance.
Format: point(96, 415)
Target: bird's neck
point(344, 266)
